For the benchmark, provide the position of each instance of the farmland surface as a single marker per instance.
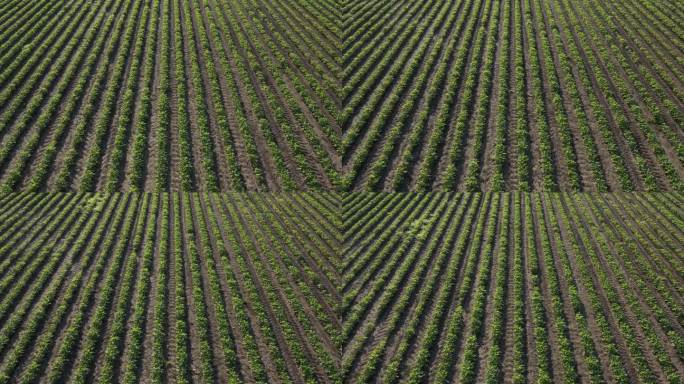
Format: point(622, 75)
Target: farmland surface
point(351, 288)
point(513, 95)
point(486, 288)
point(185, 95)
point(120, 288)
point(271, 95)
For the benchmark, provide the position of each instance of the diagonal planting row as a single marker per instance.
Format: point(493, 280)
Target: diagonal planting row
point(470, 95)
point(273, 95)
point(179, 287)
point(169, 95)
point(328, 288)
point(512, 287)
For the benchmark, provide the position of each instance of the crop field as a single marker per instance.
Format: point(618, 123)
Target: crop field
point(342, 191)
point(513, 95)
point(154, 95)
point(518, 288)
point(125, 288)
point(272, 95)
point(329, 288)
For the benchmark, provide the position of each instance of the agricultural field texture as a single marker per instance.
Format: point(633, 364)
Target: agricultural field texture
point(125, 288)
point(272, 95)
point(356, 288)
point(342, 191)
point(514, 288)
